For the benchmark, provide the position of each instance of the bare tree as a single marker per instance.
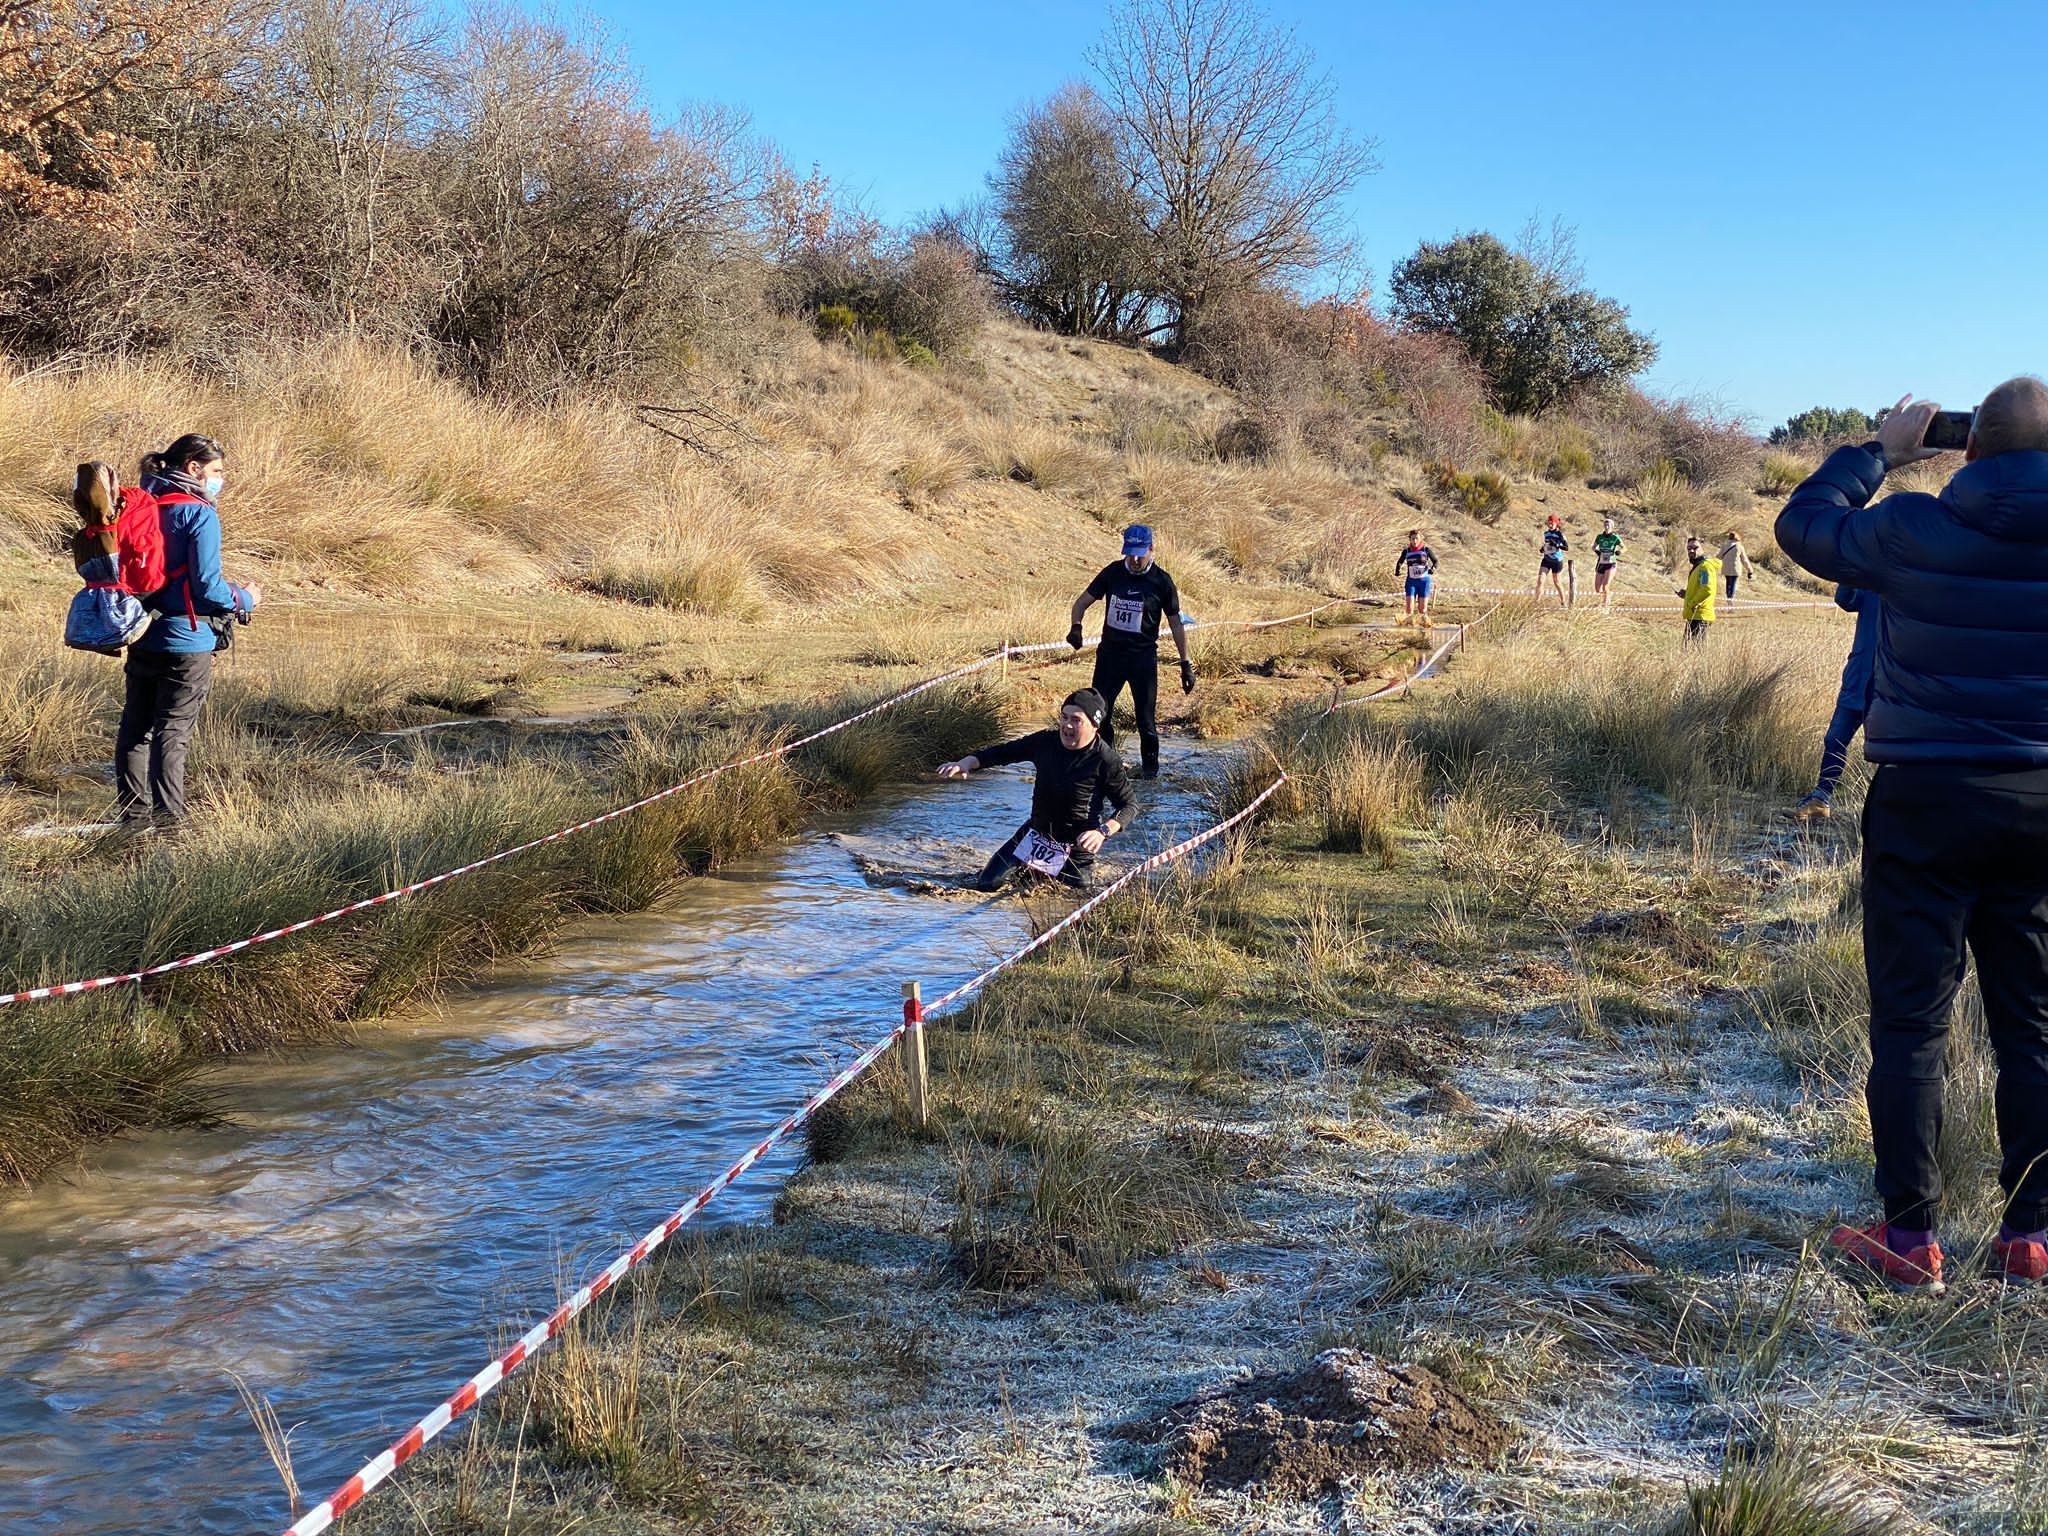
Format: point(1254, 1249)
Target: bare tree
point(1072, 247)
point(1231, 138)
point(589, 240)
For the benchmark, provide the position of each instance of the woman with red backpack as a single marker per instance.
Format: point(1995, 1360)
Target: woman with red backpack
point(170, 668)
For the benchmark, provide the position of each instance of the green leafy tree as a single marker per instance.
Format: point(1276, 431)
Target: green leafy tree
point(1823, 423)
point(1536, 335)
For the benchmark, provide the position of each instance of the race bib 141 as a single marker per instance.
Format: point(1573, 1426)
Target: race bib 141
point(1127, 614)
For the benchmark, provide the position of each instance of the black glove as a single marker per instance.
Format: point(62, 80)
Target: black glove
point(1187, 675)
point(1074, 637)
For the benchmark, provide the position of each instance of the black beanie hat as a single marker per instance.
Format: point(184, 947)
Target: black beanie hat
point(1090, 703)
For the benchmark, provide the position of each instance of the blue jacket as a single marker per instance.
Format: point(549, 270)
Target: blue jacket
point(191, 544)
point(1961, 670)
point(1860, 669)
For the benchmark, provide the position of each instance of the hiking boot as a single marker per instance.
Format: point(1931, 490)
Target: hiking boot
point(1916, 1268)
point(1812, 808)
point(2022, 1256)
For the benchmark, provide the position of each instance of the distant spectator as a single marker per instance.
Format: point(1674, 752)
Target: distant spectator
point(1955, 839)
point(1852, 703)
point(1698, 592)
point(170, 669)
point(1734, 561)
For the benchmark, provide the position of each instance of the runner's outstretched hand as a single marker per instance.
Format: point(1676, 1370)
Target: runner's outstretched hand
point(1074, 637)
point(1089, 842)
point(1187, 676)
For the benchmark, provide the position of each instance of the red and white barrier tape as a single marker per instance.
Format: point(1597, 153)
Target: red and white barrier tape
point(1163, 857)
point(1423, 668)
point(202, 957)
point(480, 1386)
point(1727, 604)
point(323, 1515)
point(186, 962)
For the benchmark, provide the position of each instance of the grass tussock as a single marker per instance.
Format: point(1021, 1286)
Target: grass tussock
point(1786, 1496)
point(1364, 790)
point(1779, 473)
point(1664, 493)
point(51, 701)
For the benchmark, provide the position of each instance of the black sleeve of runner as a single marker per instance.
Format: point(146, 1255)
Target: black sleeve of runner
point(1023, 750)
point(1099, 587)
point(1114, 783)
point(1169, 596)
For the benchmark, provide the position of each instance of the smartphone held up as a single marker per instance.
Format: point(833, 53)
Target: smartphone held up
point(1948, 430)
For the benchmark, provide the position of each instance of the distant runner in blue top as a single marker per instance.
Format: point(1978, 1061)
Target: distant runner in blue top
point(1554, 546)
point(1418, 563)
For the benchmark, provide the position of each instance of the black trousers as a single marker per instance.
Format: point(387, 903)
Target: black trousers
point(1953, 857)
point(1078, 871)
point(165, 692)
point(1113, 672)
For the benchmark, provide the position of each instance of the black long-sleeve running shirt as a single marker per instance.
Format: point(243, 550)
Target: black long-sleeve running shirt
point(1072, 787)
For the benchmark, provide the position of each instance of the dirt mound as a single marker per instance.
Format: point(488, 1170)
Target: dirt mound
point(1653, 927)
point(1419, 1048)
point(1300, 1432)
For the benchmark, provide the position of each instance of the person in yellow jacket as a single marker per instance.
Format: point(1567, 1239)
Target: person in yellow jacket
point(1698, 592)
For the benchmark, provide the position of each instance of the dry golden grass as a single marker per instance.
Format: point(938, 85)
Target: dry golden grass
point(1778, 473)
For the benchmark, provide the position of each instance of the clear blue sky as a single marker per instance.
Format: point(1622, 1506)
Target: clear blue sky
point(1807, 204)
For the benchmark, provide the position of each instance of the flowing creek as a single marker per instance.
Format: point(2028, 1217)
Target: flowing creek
point(350, 1242)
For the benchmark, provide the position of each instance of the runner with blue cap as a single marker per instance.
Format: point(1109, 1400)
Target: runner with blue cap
point(1137, 594)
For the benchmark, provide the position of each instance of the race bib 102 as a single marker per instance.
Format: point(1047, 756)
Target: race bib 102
point(1042, 853)
point(1127, 614)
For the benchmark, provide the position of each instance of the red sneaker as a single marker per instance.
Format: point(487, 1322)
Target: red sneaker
point(2023, 1258)
point(1917, 1269)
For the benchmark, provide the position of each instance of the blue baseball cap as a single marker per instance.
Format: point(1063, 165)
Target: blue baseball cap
point(1137, 540)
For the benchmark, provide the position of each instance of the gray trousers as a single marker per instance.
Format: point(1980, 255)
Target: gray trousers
point(165, 692)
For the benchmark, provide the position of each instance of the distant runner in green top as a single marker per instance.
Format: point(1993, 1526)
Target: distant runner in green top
point(1607, 548)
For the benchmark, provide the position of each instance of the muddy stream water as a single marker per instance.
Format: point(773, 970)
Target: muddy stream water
point(350, 1241)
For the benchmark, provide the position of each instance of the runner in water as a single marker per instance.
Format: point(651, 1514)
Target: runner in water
point(1138, 593)
point(1554, 546)
point(1852, 703)
point(1698, 592)
point(1418, 563)
point(1607, 548)
point(1080, 798)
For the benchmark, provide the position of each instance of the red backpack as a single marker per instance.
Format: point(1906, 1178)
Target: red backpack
point(127, 523)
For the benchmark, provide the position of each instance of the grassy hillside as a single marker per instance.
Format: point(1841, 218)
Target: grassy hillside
point(591, 607)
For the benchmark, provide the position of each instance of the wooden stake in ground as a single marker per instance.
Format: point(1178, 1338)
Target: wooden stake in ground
point(915, 1071)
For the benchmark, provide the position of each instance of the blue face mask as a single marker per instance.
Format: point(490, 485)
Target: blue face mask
point(211, 485)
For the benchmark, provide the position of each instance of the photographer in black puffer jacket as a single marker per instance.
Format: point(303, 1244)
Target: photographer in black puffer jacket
point(1955, 848)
